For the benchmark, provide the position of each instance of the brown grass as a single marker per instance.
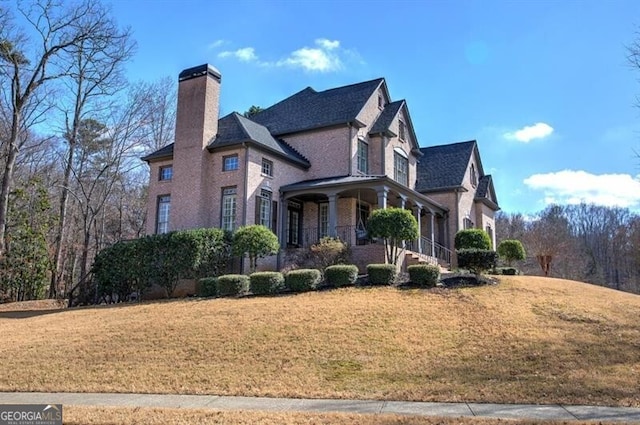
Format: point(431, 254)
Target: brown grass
point(75, 415)
point(526, 340)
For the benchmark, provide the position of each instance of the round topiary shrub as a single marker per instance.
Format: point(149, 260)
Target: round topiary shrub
point(472, 239)
point(207, 287)
point(302, 280)
point(266, 283)
point(381, 274)
point(511, 250)
point(341, 275)
point(424, 275)
point(232, 284)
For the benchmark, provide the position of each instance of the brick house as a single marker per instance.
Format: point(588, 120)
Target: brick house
point(315, 164)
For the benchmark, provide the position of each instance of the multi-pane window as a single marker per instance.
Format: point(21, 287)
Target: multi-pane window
point(401, 169)
point(230, 163)
point(363, 157)
point(467, 223)
point(267, 167)
point(323, 220)
point(162, 216)
point(228, 206)
point(166, 172)
point(402, 130)
point(264, 207)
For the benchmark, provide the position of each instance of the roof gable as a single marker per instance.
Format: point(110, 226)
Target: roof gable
point(444, 166)
point(309, 109)
point(235, 129)
point(486, 192)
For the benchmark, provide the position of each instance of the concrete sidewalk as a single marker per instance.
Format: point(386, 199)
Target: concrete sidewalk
point(503, 411)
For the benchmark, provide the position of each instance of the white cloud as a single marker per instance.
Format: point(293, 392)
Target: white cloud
point(324, 57)
point(574, 187)
point(526, 134)
point(216, 43)
point(246, 54)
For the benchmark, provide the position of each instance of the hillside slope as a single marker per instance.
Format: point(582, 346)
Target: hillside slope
point(528, 339)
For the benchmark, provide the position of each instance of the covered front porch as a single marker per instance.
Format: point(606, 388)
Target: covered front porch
point(340, 207)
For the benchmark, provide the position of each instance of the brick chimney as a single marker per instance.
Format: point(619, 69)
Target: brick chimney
point(196, 124)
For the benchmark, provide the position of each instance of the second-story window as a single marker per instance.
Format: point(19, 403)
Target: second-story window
point(400, 169)
point(267, 167)
point(363, 157)
point(230, 163)
point(402, 130)
point(166, 173)
point(474, 176)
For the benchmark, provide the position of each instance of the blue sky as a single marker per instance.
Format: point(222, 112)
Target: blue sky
point(543, 86)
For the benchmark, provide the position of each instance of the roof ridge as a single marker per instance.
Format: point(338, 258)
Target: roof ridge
point(450, 144)
point(379, 79)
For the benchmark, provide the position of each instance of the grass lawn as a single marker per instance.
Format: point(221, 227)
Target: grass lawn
point(131, 416)
point(526, 340)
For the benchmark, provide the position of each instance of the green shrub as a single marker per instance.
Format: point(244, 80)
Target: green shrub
point(302, 280)
point(208, 287)
point(255, 241)
point(393, 225)
point(511, 250)
point(425, 275)
point(341, 275)
point(508, 271)
point(232, 284)
point(381, 274)
point(476, 260)
point(472, 239)
point(266, 283)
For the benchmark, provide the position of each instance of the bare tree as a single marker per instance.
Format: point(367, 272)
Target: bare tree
point(94, 73)
point(30, 65)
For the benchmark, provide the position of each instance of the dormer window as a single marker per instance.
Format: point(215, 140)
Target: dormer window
point(402, 130)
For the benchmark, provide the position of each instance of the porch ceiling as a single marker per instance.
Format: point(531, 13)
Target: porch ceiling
point(364, 187)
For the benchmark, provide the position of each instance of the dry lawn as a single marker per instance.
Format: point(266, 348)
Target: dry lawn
point(136, 416)
point(526, 340)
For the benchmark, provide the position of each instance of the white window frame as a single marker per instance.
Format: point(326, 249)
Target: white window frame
point(265, 207)
point(323, 220)
point(400, 168)
point(267, 167)
point(162, 214)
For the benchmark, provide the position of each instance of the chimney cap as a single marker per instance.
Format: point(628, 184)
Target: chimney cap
point(198, 71)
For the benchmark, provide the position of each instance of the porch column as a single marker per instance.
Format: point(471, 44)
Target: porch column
point(433, 240)
point(418, 210)
point(382, 197)
point(333, 214)
point(403, 201)
point(283, 225)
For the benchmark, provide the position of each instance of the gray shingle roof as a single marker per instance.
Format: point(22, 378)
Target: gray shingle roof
point(165, 152)
point(386, 117)
point(234, 129)
point(443, 166)
point(309, 109)
point(486, 192)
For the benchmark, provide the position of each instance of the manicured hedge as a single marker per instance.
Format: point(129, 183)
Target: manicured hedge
point(231, 284)
point(472, 239)
point(381, 274)
point(302, 280)
point(507, 271)
point(425, 275)
point(266, 283)
point(208, 287)
point(341, 275)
